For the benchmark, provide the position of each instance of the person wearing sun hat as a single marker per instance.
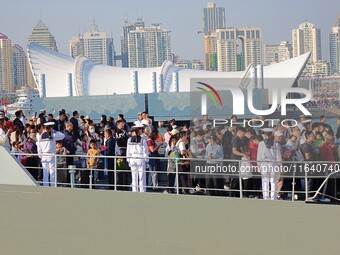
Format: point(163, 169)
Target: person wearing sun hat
point(269, 158)
point(46, 146)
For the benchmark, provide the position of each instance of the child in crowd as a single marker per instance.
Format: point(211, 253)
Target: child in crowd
point(61, 163)
point(319, 139)
point(92, 162)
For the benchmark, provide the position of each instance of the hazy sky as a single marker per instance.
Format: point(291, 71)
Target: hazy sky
point(182, 17)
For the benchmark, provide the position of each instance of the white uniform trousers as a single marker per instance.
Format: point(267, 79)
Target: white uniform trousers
point(269, 178)
point(138, 178)
point(48, 173)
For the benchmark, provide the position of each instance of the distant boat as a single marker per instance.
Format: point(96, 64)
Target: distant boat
point(24, 102)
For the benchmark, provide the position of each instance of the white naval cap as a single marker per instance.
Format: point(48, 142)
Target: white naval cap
point(267, 130)
point(174, 132)
point(51, 123)
point(278, 133)
point(306, 121)
point(138, 126)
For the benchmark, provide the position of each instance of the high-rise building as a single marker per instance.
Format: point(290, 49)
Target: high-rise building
point(318, 68)
point(307, 38)
point(19, 66)
point(197, 64)
point(190, 64)
point(270, 54)
point(149, 46)
point(213, 18)
point(6, 64)
point(42, 35)
point(275, 53)
point(285, 51)
point(210, 52)
point(127, 27)
point(97, 46)
point(94, 45)
point(334, 47)
point(76, 46)
point(228, 41)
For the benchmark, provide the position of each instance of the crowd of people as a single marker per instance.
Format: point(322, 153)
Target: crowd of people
point(324, 103)
point(140, 146)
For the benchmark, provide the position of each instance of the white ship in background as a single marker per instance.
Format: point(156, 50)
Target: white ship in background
point(24, 102)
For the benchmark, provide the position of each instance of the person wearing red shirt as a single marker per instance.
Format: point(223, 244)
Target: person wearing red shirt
point(253, 147)
point(328, 150)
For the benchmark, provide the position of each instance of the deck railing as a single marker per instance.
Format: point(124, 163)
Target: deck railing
point(288, 172)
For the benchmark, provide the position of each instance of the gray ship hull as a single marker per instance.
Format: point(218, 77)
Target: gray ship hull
point(38, 220)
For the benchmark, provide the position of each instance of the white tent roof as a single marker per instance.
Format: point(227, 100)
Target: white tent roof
point(96, 79)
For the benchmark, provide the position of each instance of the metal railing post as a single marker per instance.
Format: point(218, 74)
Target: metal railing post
point(56, 171)
point(72, 171)
point(293, 186)
point(177, 178)
point(306, 184)
point(115, 172)
point(240, 179)
point(91, 176)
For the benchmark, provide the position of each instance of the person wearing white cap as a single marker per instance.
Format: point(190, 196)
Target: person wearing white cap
point(306, 126)
point(269, 158)
point(137, 153)
point(46, 148)
point(138, 122)
point(300, 125)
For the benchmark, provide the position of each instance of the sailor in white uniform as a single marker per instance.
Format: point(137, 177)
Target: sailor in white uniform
point(137, 153)
point(47, 145)
point(269, 161)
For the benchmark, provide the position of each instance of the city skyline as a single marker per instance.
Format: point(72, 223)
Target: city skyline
point(276, 21)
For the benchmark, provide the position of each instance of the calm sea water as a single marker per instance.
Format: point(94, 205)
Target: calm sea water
point(331, 122)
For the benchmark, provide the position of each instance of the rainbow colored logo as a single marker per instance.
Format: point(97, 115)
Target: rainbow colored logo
point(210, 92)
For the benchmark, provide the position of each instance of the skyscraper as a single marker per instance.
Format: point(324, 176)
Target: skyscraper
point(318, 68)
point(76, 46)
point(42, 35)
point(210, 52)
point(6, 64)
point(276, 53)
point(19, 66)
point(213, 18)
point(307, 38)
point(148, 46)
point(94, 45)
point(228, 41)
point(127, 27)
point(334, 47)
